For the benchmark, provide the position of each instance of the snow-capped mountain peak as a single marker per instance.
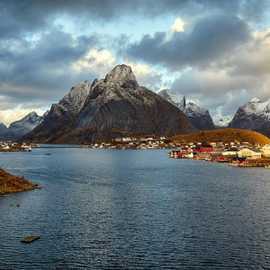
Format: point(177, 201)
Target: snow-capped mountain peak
point(176, 99)
point(257, 107)
point(254, 115)
point(193, 109)
point(20, 127)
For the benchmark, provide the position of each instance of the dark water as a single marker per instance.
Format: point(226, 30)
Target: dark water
point(105, 209)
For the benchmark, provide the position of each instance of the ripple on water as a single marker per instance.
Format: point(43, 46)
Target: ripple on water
point(134, 210)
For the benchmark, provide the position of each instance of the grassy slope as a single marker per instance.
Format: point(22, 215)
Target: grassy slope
point(224, 135)
point(11, 184)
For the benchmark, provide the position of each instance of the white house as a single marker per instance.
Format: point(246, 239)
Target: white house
point(266, 150)
point(6, 147)
point(229, 153)
point(248, 153)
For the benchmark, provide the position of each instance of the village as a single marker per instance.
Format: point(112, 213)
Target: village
point(9, 146)
point(236, 154)
point(147, 142)
point(239, 154)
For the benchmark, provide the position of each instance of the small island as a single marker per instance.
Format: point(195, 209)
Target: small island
point(12, 184)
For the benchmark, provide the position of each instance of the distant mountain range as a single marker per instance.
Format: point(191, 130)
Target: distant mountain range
point(118, 106)
point(19, 128)
point(199, 117)
point(108, 108)
point(254, 115)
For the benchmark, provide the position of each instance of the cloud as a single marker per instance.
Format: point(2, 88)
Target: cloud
point(211, 39)
point(43, 51)
point(11, 111)
point(178, 25)
point(27, 16)
point(42, 69)
point(146, 75)
point(96, 61)
point(101, 61)
point(238, 78)
point(14, 114)
point(253, 60)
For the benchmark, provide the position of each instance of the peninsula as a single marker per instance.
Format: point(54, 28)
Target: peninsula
point(12, 184)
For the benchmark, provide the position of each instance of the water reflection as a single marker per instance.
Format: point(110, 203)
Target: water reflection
point(134, 210)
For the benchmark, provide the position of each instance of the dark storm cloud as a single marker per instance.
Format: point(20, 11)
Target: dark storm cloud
point(43, 69)
point(19, 17)
point(36, 55)
point(210, 39)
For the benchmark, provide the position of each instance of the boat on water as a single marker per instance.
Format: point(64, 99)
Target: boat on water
point(267, 167)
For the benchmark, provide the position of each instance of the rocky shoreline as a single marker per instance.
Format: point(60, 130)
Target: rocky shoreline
point(12, 184)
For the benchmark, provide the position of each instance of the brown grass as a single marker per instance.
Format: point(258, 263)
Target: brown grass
point(11, 184)
point(223, 135)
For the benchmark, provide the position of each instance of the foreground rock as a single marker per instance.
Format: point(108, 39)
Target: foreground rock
point(30, 239)
point(112, 107)
point(12, 184)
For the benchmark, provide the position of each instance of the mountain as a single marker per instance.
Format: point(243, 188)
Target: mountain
point(111, 107)
point(3, 131)
point(200, 118)
point(25, 125)
point(225, 135)
point(254, 115)
point(62, 117)
point(21, 127)
point(176, 99)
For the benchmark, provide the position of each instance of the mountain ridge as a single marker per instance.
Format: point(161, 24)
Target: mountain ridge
point(112, 106)
point(199, 117)
point(21, 127)
point(254, 115)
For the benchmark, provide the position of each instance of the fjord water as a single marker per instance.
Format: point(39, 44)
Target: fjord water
point(109, 209)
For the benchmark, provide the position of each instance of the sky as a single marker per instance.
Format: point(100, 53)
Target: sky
point(217, 53)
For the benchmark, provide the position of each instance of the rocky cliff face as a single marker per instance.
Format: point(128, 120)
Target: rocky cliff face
point(107, 108)
point(254, 115)
point(62, 117)
point(3, 131)
point(199, 117)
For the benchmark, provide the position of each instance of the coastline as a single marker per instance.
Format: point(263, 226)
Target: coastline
point(13, 184)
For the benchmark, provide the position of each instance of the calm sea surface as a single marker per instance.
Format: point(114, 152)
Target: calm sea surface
point(109, 209)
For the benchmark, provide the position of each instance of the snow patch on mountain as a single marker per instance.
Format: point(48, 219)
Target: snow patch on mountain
point(254, 115)
point(257, 107)
point(199, 117)
point(107, 108)
point(74, 100)
point(20, 127)
point(192, 109)
point(25, 125)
